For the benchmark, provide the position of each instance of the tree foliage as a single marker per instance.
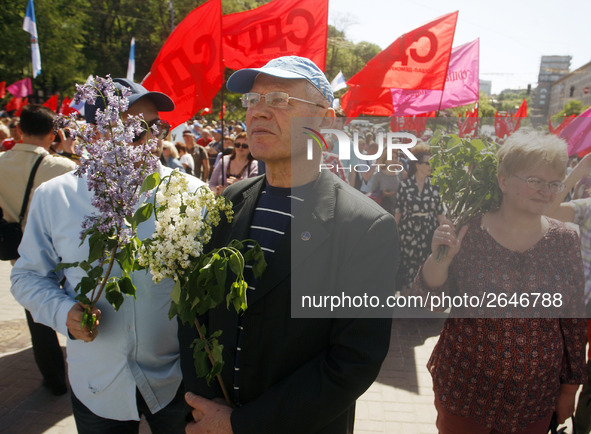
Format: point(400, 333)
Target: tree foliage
point(572, 107)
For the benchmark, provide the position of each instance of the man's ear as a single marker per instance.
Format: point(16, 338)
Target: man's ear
point(328, 118)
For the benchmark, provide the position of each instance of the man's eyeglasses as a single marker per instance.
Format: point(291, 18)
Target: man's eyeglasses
point(538, 185)
point(162, 126)
point(273, 99)
point(241, 145)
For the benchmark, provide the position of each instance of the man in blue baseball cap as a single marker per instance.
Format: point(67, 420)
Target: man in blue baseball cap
point(288, 370)
point(128, 366)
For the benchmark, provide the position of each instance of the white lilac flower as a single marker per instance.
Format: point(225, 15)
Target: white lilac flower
point(183, 227)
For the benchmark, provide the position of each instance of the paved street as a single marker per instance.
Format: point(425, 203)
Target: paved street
point(399, 402)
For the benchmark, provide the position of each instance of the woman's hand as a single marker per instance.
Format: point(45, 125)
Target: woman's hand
point(445, 235)
point(231, 180)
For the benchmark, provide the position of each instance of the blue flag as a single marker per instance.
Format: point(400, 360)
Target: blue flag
point(29, 25)
point(131, 63)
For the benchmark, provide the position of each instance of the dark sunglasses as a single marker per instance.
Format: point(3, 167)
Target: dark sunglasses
point(162, 126)
point(241, 145)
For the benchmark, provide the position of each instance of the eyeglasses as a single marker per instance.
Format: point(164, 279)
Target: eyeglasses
point(273, 99)
point(162, 126)
point(241, 145)
point(538, 185)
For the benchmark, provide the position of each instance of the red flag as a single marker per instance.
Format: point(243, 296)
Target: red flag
point(521, 113)
point(278, 28)
point(188, 67)
point(2, 89)
point(565, 122)
point(51, 103)
point(469, 126)
point(17, 105)
point(374, 101)
point(65, 108)
point(416, 60)
point(20, 109)
point(14, 104)
point(21, 88)
point(503, 126)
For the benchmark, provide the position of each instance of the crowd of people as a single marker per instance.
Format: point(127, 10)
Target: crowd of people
point(289, 374)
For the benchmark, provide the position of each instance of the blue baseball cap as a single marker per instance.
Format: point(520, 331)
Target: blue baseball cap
point(162, 101)
point(289, 67)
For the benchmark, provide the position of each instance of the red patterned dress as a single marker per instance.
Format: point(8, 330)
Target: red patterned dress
point(506, 373)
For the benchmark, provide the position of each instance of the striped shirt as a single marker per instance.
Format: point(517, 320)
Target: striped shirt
point(270, 222)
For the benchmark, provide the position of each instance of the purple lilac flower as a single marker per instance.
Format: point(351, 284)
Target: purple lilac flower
point(113, 167)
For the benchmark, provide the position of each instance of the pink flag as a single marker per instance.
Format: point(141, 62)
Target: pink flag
point(578, 133)
point(21, 88)
point(461, 85)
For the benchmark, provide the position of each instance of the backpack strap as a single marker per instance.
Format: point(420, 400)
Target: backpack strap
point(21, 216)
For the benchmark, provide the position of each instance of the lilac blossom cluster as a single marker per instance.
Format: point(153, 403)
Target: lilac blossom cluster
point(114, 168)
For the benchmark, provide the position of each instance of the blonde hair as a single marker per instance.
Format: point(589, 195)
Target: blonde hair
point(529, 150)
point(170, 146)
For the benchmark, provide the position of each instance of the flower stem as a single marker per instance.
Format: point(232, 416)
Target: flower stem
point(105, 278)
point(208, 351)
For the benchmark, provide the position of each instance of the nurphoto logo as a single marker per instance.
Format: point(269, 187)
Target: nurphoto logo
point(391, 142)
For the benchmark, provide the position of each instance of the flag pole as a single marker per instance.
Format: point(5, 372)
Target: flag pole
point(223, 75)
point(447, 67)
point(222, 78)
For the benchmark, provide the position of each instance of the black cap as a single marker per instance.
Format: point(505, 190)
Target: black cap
point(162, 101)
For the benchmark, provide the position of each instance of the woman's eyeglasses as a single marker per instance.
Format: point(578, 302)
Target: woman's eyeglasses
point(162, 126)
point(538, 185)
point(241, 145)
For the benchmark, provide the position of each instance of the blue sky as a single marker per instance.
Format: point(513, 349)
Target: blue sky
point(514, 34)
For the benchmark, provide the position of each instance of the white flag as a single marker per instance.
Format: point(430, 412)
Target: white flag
point(30, 26)
point(339, 82)
point(131, 63)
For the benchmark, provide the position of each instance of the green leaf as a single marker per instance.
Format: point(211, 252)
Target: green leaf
point(127, 287)
point(87, 284)
point(201, 361)
point(236, 262)
point(175, 294)
point(96, 247)
point(85, 265)
point(64, 265)
point(143, 213)
point(216, 334)
point(113, 295)
point(150, 182)
point(96, 272)
point(82, 299)
point(172, 311)
point(88, 319)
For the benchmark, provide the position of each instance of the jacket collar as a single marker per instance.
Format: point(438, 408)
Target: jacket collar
point(308, 231)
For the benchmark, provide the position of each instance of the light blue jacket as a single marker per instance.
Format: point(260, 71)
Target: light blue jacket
point(136, 346)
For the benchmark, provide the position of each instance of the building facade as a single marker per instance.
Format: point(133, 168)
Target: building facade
point(573, 86)
point(552, 68)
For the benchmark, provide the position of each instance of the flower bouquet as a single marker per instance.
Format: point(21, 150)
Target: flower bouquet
point(184, 222)
point(465, 170)
point(119, 174)
point(115, 172)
